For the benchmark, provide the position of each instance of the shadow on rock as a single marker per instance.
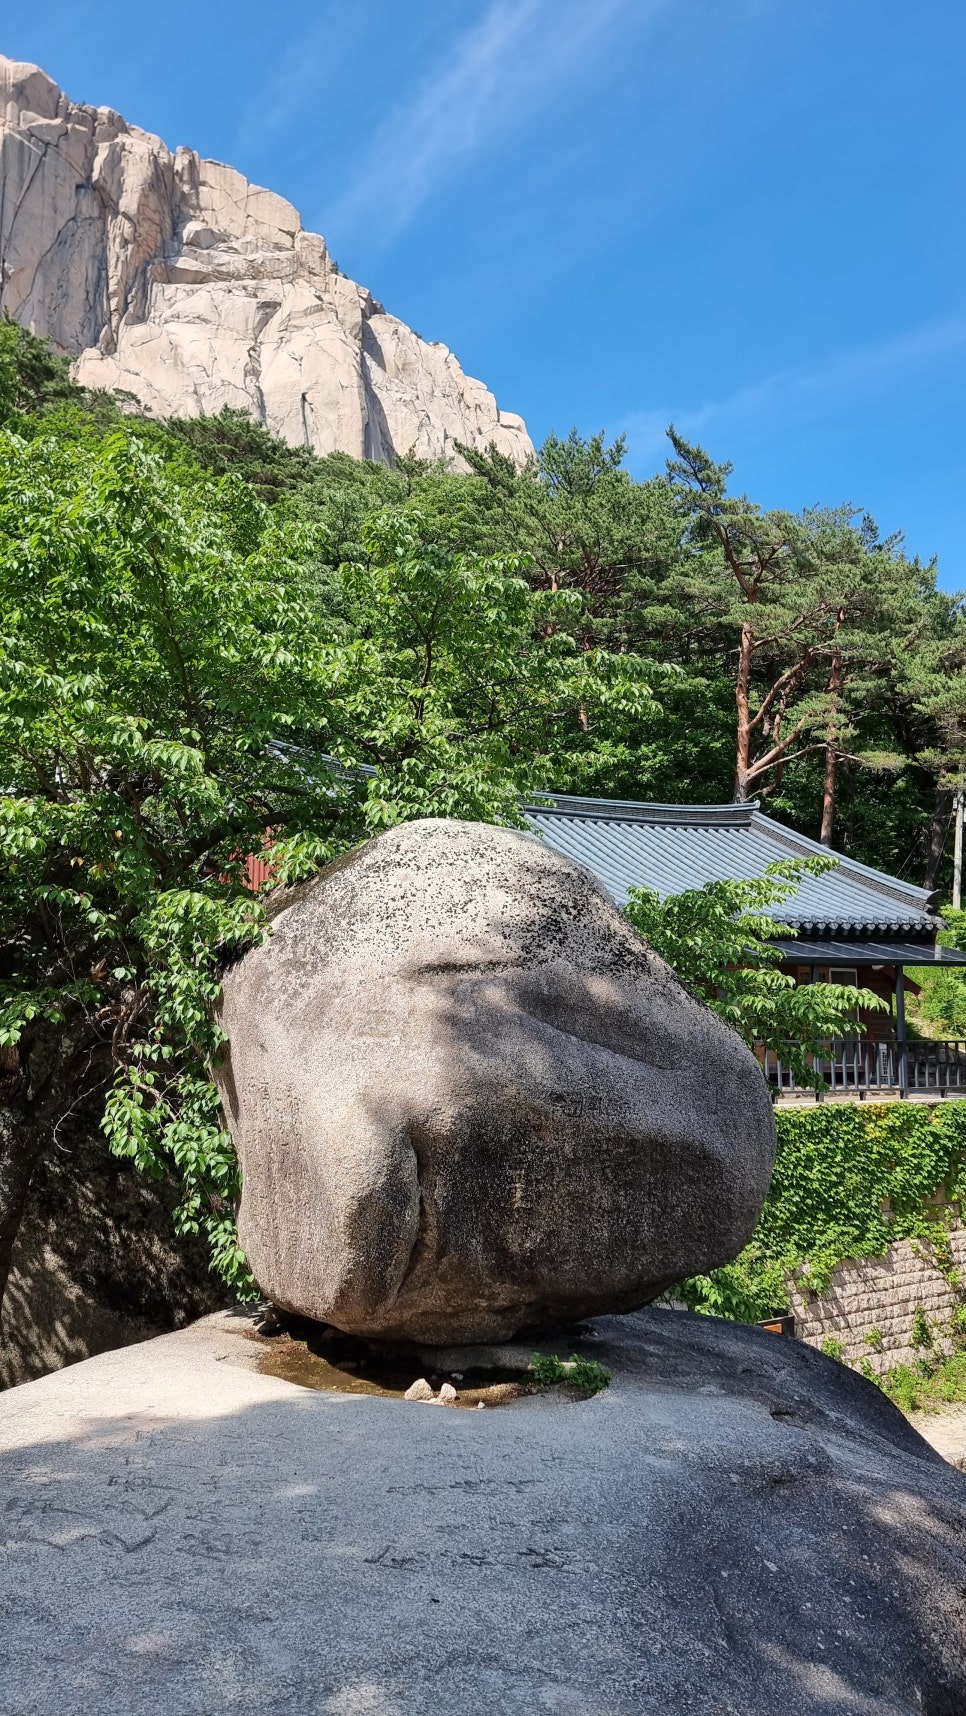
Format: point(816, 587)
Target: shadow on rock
point(736, 1527)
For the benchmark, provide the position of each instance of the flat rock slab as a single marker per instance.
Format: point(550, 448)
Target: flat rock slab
point(737, 1527)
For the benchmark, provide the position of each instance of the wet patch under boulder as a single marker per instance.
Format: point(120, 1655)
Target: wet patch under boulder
point(314, 1355)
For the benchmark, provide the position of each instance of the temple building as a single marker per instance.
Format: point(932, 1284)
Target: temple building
point(851, 925)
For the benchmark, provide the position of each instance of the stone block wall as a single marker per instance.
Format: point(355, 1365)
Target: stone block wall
point(881, 1293)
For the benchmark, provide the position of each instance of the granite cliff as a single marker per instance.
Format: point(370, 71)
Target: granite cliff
point(174, 280)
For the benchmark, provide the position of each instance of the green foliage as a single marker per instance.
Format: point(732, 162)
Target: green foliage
point(721, 940)
point(920, 1335)
point(147, 668)
point(833, 1348)
point(583, 521)
point(927, 1385)
point(233, 443)
point(809, 602)
point(547, 1369)
point(648, 565)
point(940, 1007)
point(747, 1290)
point(588, 1376)
point(469, 688)
point(850, 1179)
point(195, 615)
point(176, 677)
point(32, 376)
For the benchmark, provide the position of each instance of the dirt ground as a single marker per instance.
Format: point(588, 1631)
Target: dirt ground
point(945, 1431)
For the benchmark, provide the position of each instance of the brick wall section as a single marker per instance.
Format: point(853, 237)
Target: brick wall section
point(880, 1293)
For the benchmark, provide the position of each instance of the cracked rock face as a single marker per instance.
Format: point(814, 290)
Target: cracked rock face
point(467, 1099)
point(176, 282)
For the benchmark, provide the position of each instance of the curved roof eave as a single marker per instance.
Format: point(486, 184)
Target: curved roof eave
point(676, 847)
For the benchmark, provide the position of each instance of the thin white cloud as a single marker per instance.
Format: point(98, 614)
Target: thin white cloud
point(491, 79)
point(803, 391)
point(298, 79)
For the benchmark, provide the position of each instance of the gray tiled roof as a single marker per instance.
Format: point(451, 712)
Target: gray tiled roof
point(672, 847)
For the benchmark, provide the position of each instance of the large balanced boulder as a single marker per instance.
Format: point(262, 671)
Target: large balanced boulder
point(468, 1099)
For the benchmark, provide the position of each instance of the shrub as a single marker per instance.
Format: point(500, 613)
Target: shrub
point(920, 1335)
point(586, 1375)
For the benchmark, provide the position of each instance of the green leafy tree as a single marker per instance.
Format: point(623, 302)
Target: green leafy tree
point(175, 677)
point(940, 1007)
point(617, 546)
point(32, 376)
point(147, 669)
point(721, 940)
point(790, 587)
point(877, 682)
point(580, 516)
point(892, 711)
point(471, 689)
point(927, 685)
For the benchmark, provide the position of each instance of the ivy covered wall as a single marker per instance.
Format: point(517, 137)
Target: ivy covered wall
point(850, 1180)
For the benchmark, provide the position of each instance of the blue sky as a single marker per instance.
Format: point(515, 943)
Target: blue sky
point(745, 215)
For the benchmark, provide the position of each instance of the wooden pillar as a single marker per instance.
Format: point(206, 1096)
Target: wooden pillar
point(958, 853)
point(901, 1028)
point(818, 1093)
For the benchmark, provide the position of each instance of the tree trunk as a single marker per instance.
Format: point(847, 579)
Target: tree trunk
point(742, 700)
point(938, 825)
point(831, 755)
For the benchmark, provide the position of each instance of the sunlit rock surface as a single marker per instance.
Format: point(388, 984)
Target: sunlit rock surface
point(468, 1099)
point(179, 283)
point(737, 1526)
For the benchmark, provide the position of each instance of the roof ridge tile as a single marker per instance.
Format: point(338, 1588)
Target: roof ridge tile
point(672, 848)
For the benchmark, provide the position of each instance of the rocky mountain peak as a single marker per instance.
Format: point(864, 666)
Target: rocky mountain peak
point(175, 282)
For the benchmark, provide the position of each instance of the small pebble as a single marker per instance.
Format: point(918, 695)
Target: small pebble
point(480, 1405)
point(419, 1390)
point(447, 1393)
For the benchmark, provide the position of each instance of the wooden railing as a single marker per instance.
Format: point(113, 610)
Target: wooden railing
point(857, 1066)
